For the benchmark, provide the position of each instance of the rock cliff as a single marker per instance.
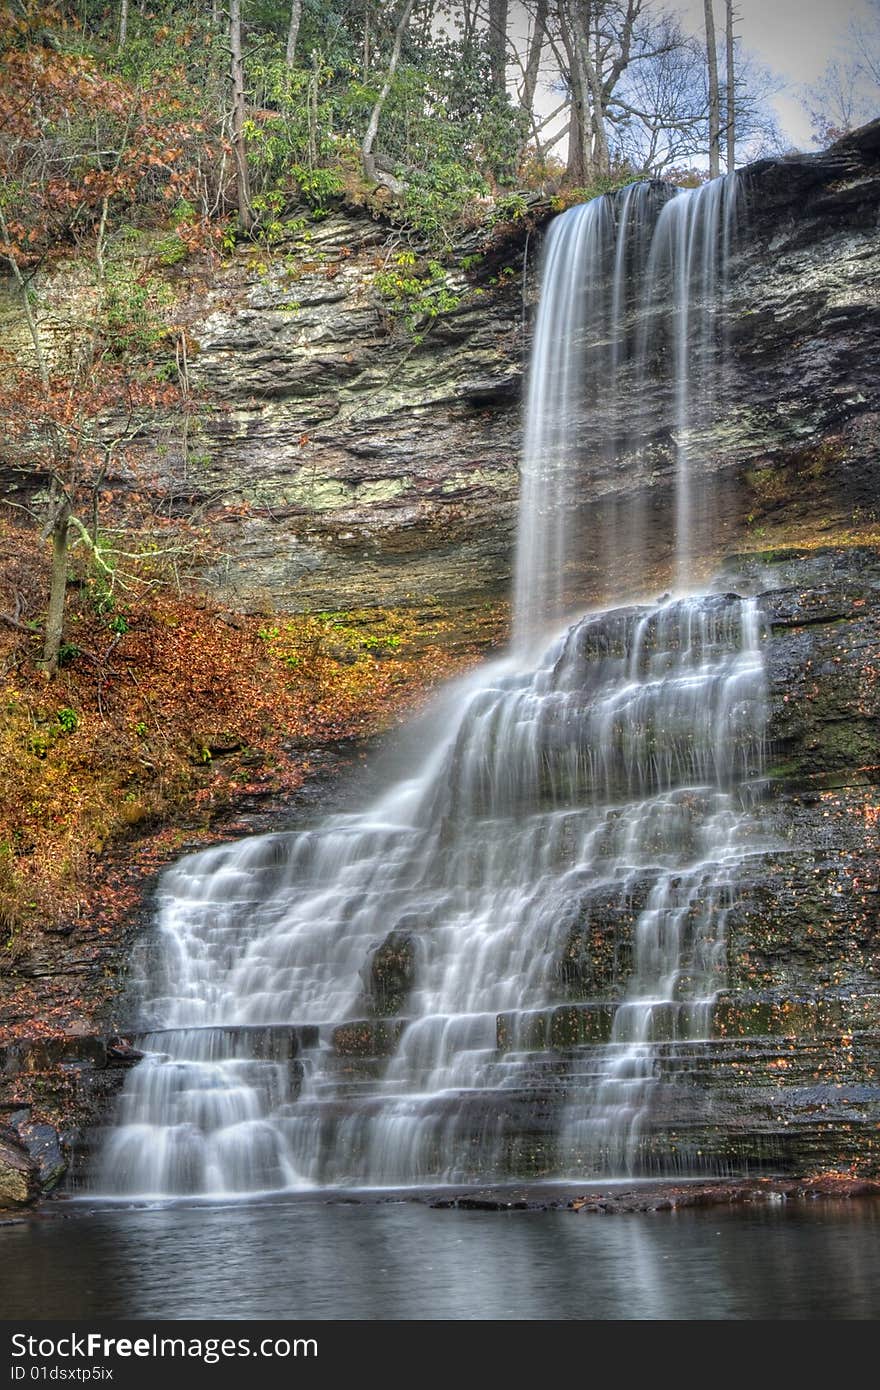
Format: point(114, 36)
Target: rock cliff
point(377, 468)
point(379, 465)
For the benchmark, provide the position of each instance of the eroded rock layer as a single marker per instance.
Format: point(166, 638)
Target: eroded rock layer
point(379, 462)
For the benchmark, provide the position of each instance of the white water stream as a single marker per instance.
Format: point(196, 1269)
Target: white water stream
point(601, 782)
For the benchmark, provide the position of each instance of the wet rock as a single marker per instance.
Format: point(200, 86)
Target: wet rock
point(391, 973)
point(44, 1146)
point(367, 1037)
point(121, 1053)
point(674, 1197)
point(488, 1204)
point(45, 1054)
point(559, 1029)
point(19, 1177)
point(596, 959)
point(490, 391)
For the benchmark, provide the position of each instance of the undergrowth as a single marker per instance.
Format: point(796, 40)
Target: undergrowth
point(168, 706)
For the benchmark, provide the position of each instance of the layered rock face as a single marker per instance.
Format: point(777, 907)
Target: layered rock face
point(788, 1079)
point(341, 458)
point(786, 1076)
point(378, 464)
point(804, 944)
point(779, 1073)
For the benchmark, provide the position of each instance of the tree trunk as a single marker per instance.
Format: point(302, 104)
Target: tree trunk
point(27, 308)
point(587, 90)
point(498, 46)
point(714, 101)
point(470, 15)
point(731, 90)
point(312, 108)
point(601, 158)
point(533, 66)
point(57, 588)
point(61, 517)
point(242, 182)
point(368, 159)
point(574, 169)
point(123, 25)
point(293, 31)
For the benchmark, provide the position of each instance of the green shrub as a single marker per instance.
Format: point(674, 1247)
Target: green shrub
point(418, 293)
point(67, 719)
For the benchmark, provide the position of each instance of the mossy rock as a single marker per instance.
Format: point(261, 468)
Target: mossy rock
point(19, 1179)
point(390, 974)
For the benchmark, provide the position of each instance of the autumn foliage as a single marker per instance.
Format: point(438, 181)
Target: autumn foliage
point(80, 145)
point(168, 708)
point(127, 703)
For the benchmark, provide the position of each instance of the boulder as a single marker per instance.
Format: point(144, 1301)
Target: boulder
point(19, 1175)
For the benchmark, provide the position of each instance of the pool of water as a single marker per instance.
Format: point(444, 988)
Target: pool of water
point(310, 1258)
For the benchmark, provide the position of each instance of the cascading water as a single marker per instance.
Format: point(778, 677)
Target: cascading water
point(475, 977)
point(630, 337)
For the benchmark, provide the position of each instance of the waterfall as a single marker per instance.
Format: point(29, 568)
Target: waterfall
point(476, 977)
point(630, 312)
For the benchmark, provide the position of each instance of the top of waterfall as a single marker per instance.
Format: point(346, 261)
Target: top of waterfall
point(630, 284)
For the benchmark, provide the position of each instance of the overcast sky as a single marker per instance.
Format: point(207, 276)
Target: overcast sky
point(795, 38)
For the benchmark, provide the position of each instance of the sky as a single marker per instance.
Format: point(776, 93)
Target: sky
point(795, 38)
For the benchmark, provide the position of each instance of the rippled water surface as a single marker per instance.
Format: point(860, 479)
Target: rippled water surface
point(310, 1259)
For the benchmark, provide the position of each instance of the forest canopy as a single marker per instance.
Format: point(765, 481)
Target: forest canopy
point(201, 110)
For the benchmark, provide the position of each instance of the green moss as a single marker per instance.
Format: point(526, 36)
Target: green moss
point(332, 494)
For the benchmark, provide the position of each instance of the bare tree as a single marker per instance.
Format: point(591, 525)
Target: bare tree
point(368, 158)
point(714, 100)
point(293, 31)
point(57, 522)
point(658, 116)
point(578, 134)
point(588, 155)
point(533, 60)
point(600, 40)
point(592, 85)
point(848, 93)
point(239, 147)
point(498, 46)
point(468, 14)
point(833, 102)
point(530, 73)
point(864, 37)
point(123, 25)
point(731, 86)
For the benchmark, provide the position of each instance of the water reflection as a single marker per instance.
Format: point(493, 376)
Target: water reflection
point(307, 1259)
